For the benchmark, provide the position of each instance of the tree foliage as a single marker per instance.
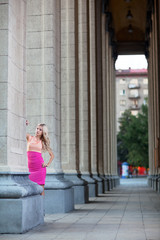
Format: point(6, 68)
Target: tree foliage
point(132, 139)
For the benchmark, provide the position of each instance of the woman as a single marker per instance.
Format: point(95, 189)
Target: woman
point(35, 146)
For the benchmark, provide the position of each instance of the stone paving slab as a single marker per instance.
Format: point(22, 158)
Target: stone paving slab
point(128, 212)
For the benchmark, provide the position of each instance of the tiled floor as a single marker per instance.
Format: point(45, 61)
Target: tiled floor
point(128, 212)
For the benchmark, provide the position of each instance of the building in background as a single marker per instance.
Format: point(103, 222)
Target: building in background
point(132, 91)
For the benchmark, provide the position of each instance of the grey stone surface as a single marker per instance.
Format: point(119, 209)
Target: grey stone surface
point(80, 188)
point(149, 180)
point(92, 184)
point(20, 215)
point(158, 185)
point(100, 183)
point(116, 181)
point(59, 194)
point(81, 194)
point(57, 181)
point(16, 185)
point(59, 201)
point(21, 206)
point(108, 183)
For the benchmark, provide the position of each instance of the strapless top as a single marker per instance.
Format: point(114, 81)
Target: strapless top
point(33, 145)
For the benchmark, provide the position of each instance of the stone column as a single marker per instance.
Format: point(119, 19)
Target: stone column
point(108, 170)
point(44, 93)
point(93, 97)
point(99, 89)
point(106, 113)
point(113, 160)
point(150, 115)
point(70, 99)
point(154, 106)
point(105, 96)
point(21, 206)
point(84, 95)
point(114, 170)
point(110, 115)
point(158, 79)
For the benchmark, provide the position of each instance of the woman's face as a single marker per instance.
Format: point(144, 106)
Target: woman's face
point(39, 131)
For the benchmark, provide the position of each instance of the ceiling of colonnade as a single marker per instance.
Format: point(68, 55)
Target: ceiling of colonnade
point(127, 23)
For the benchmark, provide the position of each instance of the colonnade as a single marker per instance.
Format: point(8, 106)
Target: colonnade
point(87, 73)
point(57, 67)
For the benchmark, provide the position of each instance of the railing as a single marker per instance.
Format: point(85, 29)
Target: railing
point(134, 107)
point(135, 96)
point(133, 86)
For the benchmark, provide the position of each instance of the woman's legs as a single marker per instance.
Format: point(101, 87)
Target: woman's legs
point(43, 199)
point(43, 190)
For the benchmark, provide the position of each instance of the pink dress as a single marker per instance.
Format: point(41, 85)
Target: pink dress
point(35, 160)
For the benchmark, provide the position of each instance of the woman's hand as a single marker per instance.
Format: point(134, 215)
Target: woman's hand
point(44, 165)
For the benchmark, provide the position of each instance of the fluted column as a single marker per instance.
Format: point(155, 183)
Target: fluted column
point(153, 104)
point(84, 95)
point(105, 60)
point(17, 192)
point(44, 92)
point(68, 90)
point(106, 115)
point(93, 96)
point(154, 96)
point(114, 140)
point(70, 98)
point(99, 90)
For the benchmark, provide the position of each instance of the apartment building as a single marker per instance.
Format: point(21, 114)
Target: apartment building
point(131, 91)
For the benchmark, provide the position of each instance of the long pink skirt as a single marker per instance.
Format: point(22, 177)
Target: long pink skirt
point(37, 172)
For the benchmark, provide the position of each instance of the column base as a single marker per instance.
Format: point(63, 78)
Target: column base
point(149, 180)
point(92, 185)
point(108, 184)
point(155, 182)
point(21, 205)
point(158, 185)
point(59, 194)
point(21, 215)
point(100, 183)
point(112, 181)
point(80, 188)
point(116, 181)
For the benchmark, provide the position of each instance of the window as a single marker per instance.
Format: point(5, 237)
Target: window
point(145, 92)
point(134, 81)
point(145, 81)
point(134, 93)
point(123, 92)
point(122, 81)
point(122, 102)
point(134, 103)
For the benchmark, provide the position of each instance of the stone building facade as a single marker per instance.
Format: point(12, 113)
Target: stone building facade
point(57, 62)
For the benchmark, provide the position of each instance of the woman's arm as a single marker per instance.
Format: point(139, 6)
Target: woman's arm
point(27, 134)
point(50, 160)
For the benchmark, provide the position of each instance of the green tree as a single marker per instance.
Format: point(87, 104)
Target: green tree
point(132, 139)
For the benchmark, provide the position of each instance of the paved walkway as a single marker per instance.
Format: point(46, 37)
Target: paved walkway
point(128, 212)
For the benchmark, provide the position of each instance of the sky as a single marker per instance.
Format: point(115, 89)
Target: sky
point(131, 61)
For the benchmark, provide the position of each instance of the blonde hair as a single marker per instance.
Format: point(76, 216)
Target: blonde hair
point(45, 138)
